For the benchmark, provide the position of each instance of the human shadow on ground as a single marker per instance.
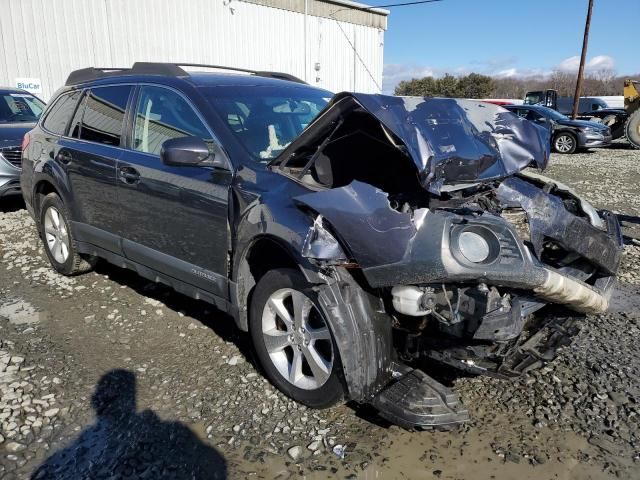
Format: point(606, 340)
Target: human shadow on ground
point(124, 444)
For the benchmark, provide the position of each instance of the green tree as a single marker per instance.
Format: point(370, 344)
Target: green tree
point(473, 85)
point(417, 87)
point(448, 86)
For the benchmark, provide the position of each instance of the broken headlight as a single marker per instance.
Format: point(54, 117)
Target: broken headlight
point(474, 244)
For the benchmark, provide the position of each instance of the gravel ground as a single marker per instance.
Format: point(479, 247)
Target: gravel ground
point(109, 376)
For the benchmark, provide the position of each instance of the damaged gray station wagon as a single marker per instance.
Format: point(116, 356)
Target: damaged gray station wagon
point(353, 236)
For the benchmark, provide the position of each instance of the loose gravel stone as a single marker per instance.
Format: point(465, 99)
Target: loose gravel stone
point(296, 453)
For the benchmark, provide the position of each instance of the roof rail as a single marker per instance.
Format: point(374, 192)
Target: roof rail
point(259, 73)
point(165, 69)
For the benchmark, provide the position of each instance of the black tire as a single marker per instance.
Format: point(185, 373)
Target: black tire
point(632, 129)
point(332, 390)
point(75, 263)
point(565, 143)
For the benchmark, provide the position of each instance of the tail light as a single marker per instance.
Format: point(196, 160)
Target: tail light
point(25, 141)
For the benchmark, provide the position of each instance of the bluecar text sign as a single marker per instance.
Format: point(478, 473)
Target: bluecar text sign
point(31, 85)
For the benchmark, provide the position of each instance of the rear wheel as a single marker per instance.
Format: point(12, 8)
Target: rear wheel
point(632, 129)
point(565, 143)
point(293, 341)
point(59, 244)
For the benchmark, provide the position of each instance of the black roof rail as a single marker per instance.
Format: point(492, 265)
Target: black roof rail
point(166, 69)
point(259, 73)
point(138, 68)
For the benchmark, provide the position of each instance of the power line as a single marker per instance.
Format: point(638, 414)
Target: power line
point(370, 9)
point(355, 51)
point(390, 5)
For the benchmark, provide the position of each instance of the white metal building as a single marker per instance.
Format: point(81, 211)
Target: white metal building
point(331, 43)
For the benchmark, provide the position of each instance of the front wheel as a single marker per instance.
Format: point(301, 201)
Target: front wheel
point(293, 341)
point(565, 143)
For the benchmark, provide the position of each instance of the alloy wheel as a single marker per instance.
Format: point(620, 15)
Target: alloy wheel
point(564, 143)
point(56, 234)
point(297, 339)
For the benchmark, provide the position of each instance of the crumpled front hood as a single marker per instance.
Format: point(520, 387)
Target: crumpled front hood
point(458, 141)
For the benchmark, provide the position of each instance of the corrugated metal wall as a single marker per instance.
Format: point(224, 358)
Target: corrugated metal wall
point(47, 39)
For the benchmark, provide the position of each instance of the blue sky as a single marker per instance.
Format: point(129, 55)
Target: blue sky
point(502, 37)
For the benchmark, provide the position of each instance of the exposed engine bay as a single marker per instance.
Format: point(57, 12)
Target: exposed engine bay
point(429, 200)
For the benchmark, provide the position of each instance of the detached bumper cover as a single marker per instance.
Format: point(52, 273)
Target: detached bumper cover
point(548, 218)
point(418, 401)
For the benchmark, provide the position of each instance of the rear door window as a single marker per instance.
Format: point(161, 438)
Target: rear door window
point(103, 115)
point(162, 114)
point(60, 113)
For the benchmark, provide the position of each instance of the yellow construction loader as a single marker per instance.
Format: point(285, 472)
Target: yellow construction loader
point(632, 107)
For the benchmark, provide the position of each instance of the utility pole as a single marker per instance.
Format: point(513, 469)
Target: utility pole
point(585, 40)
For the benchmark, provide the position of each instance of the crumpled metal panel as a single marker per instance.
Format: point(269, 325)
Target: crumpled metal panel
point(374, 232)
point(548, 218)
point(456, 141)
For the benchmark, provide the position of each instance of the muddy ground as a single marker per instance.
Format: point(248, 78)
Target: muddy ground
point(109, 376)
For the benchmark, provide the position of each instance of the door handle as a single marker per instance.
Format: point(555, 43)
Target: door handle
point(129, 175)
point(64, 157)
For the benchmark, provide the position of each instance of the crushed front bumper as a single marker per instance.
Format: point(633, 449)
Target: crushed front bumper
point(515, 268)
point(396, 248)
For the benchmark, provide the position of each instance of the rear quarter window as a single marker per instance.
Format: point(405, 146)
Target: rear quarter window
point(57, 118)
point(103, 115)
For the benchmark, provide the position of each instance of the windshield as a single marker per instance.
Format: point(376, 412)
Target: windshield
point(534, 98)
point(265, 119)
point(551, 113)
point(19, 108)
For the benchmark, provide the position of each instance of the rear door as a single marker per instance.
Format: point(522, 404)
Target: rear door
point(90, 156)
point(173, 219)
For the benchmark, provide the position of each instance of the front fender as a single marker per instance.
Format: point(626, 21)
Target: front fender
point(360, 326)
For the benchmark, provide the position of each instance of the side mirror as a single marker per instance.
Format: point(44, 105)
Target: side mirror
point(189, 151)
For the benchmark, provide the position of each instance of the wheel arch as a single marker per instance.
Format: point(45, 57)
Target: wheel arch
point(563, 131)
point(361, 328)
point(42, 188)
point(265, 252)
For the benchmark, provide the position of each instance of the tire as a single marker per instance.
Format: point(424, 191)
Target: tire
point(305, 340)
point(565, 143)
point(57, 237)
point(632, 129)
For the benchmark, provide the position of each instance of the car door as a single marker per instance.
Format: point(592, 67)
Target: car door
point(89, 155)
point(173, 219)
